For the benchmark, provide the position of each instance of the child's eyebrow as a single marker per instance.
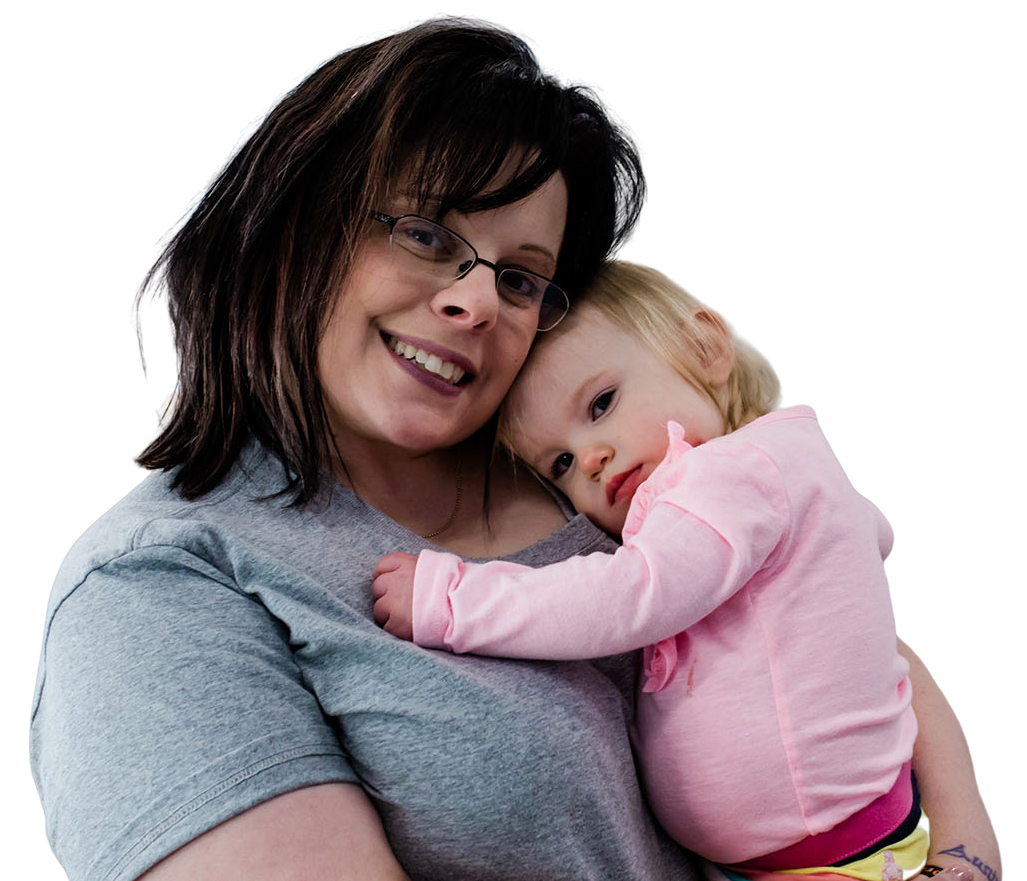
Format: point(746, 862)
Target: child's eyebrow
point(581, 393)
point(532, 454)
point(531, 458)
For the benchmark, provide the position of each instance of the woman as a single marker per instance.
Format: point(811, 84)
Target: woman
point(213, 685)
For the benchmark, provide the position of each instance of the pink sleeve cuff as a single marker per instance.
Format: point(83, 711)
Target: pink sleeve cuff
point(435, 574)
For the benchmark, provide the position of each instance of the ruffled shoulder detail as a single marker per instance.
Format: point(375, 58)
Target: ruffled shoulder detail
point(658, 664)
point(676, 443)
point(665, 475)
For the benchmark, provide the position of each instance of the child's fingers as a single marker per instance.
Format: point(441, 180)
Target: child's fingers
point(391, 619)
point(392, 562)
point(399, 629)
point(381, 611)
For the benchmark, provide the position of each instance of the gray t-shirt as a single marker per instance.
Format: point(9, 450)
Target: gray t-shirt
point(202, 657)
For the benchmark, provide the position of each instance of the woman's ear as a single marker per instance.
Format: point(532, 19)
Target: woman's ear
point(714, 348)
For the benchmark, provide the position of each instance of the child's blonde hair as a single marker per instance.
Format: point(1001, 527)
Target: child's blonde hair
point(674, 325)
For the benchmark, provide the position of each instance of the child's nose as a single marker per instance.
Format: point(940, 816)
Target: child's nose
point(596, 459)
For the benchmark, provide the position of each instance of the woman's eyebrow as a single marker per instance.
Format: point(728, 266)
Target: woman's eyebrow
point(539, 249)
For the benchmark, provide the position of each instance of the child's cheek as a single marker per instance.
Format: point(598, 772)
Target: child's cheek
point(583, 501)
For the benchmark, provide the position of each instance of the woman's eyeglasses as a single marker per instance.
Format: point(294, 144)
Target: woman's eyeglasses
point(429, 247)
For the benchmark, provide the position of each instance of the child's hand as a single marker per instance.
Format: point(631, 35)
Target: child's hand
point(394, 594)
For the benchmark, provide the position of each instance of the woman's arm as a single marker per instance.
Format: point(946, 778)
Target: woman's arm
point(961, 833)
point(322, 833)
point(173, 724)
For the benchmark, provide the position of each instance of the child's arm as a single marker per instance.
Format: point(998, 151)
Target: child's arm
point(674, 571)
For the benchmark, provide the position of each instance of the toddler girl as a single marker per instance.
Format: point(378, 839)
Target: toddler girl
point(773, 727)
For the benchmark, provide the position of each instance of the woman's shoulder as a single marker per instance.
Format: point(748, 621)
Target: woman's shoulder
point(154, 526)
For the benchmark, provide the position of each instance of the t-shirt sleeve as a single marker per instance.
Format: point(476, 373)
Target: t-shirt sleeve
point(169, 702)
point(699, 540)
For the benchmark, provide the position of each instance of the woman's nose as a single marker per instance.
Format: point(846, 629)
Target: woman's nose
point(471, 301)
point(595, 459)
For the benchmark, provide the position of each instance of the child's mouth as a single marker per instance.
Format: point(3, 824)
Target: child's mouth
point(622, 486)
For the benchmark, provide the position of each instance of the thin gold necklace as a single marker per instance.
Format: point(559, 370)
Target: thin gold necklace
point(456, 506)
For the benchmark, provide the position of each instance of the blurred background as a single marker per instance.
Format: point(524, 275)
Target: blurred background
point(673, 77)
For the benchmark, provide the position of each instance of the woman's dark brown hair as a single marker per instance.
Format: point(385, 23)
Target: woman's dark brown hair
point(253, 273)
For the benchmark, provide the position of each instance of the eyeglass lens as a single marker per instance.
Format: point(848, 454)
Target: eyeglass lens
point(444, 254)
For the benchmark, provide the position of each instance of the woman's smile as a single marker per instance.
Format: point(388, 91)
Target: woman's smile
point(428, 362)
point(439, 353)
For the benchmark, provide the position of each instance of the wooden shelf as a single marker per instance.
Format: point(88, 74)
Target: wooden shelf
point(913, 411)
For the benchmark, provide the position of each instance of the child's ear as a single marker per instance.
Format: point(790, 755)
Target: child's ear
point(714, 347)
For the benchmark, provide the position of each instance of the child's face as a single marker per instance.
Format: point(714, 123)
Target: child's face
point(591, 412)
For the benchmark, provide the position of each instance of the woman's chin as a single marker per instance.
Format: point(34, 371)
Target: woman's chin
point(424, 436)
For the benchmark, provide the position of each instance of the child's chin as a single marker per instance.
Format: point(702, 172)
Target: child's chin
point(606, 520)
point(613, 528)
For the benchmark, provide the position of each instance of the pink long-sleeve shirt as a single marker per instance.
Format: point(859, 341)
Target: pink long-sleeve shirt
point(773, 703)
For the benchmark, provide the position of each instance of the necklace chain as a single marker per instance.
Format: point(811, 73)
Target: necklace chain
point(456, 506)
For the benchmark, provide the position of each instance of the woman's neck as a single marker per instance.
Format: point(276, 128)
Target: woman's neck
point(417, 490)
point(440, 495)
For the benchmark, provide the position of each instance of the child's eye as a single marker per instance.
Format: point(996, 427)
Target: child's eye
point(560, 465)
point(601, 404)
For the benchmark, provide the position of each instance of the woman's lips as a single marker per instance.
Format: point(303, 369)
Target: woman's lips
point(438, 368)
point(622, 486)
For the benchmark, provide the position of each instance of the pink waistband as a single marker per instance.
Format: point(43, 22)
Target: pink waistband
point(877, 820)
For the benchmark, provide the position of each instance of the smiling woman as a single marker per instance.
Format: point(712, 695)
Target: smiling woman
point(214, 698)
point(256, 723)
point(376, 396)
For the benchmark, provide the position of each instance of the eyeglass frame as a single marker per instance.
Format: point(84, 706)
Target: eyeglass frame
point(498, 268)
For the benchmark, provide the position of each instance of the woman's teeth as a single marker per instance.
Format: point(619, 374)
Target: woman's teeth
point(432, 363)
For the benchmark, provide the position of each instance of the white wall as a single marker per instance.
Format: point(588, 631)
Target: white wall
point(671, 74)
point(150, 207)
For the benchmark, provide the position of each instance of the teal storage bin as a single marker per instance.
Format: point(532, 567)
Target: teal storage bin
point(795, 370)
point(930, 375)
point(925, 619)
point(882, 373)
point(836, 371)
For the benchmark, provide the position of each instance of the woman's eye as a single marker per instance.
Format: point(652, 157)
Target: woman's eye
point(560, 465)
point(424, 239)
point(601, 404)
point(521, 288)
